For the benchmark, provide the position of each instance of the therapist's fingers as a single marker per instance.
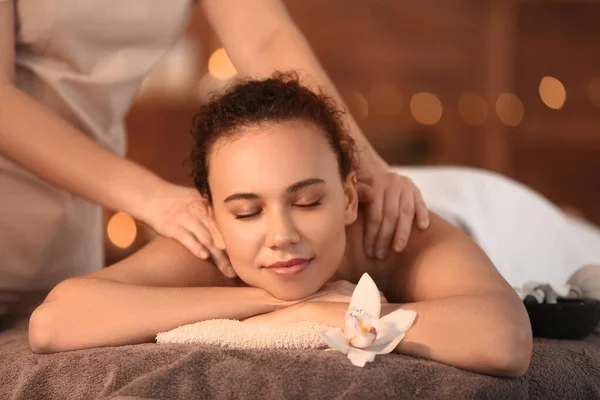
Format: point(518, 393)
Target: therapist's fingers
point(405, 221)
point(219, 257)
point(373, 213)
point(421, 211)
point(365, 193)
point(389, 220)
point(189, 241)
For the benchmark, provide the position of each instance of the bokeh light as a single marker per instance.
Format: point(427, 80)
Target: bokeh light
point(426, 108)
point(510, 109)
point(552, 92)
point(220, 66)
point(121, 230)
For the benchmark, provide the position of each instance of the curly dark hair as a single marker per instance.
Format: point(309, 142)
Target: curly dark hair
point(280, 98)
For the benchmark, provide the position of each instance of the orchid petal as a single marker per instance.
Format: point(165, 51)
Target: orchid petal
point(360, 357)
point(363, 341)
point(361, 327)
point(366, 297)
point(335, 339)
point(387, 347)
point(394, 324)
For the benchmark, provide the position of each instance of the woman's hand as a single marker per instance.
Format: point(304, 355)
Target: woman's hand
point(179, 213)
point(337, 292)
point(292, 314)
point(393, 202)
point(309, 309)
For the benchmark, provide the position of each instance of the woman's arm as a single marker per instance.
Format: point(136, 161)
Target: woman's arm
point(468, 315)
point(158, 288)
point(473, 332)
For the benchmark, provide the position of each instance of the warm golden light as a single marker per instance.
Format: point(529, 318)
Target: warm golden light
point(121, 230)
point(509, 109)
point(594, 91)
point(552, 92)
point(385, 99)
point(219, 65)
point(426, 108)
point(473, 108)
point(359, 106)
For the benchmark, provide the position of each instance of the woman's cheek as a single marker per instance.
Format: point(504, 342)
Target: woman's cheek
point(241, 242)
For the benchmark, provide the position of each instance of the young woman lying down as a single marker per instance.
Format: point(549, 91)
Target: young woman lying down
point(276, 168)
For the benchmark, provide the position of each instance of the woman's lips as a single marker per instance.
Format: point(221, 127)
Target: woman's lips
point(290, 268)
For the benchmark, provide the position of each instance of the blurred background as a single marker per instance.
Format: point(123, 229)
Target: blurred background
point(506, 85)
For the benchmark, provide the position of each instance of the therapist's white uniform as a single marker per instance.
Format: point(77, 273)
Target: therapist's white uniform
point(85, 60)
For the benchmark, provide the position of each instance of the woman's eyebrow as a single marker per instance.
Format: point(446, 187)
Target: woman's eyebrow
point(291, 189)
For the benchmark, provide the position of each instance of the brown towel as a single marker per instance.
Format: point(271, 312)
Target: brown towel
point(559, 370)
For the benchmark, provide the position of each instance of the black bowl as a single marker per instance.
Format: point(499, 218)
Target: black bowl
point(567, 319)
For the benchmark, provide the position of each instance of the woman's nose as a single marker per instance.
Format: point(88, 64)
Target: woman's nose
point(282, 232)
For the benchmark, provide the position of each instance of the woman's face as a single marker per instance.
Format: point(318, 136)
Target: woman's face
point(278, 198)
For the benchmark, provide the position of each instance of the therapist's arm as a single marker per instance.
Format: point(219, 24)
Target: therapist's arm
point(260, 38)
point(44, 143)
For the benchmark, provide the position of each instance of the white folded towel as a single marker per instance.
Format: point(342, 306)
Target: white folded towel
point(244, 335)
point(526, 237)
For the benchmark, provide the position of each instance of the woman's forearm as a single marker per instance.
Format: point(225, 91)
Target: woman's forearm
point(91, 312)
point(51, 148)
point(475, 333)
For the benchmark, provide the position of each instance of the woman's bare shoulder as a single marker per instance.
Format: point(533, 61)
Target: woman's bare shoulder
point(165, 262)
point(357, 261)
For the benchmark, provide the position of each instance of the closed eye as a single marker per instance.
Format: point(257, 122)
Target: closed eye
point(313, 204)
point(244, 216)
point(310, 205)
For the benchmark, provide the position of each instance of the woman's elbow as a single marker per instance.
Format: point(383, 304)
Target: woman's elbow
point(513, 354)
point(45, 322)
point(40, 330)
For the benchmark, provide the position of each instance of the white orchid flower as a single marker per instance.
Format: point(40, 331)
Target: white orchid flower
point(365, 334)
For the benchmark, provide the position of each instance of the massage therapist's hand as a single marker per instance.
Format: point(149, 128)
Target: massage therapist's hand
point(179, 213)
point(393, 202)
